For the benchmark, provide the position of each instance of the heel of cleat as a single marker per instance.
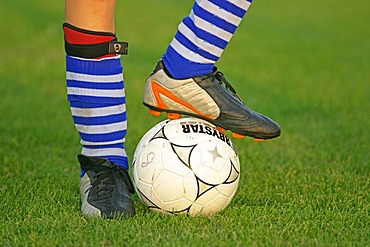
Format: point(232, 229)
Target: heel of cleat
point(173, 116)
point(238, 136)
point(154, 113)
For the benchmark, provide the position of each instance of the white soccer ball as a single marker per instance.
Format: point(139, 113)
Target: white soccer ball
point(186, 166)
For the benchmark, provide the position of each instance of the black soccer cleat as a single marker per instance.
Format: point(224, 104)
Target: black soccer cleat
point(105, 188)
point(210, 97)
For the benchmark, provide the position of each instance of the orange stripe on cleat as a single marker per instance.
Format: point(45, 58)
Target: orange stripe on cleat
point(154, 113)
point(173, 116)
point(222, 130)
point(158, 89)
point(235, 135)
point(259, 140)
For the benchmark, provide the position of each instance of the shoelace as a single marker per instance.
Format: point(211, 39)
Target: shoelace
point(104, 183)
point(219, 76)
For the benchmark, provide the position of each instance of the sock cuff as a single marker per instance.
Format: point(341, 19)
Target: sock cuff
point(180, 68)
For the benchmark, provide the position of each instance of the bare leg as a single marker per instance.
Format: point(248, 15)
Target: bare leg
point(97, 15)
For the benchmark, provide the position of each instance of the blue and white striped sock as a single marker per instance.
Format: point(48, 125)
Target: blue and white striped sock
point(202, 36)
point(96, 94)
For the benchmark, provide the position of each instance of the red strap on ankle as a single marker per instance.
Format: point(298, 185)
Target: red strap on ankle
point(78, 36)
point(91, 44)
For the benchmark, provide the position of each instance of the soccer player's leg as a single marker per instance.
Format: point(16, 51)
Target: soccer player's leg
point(186, 81)
point(95, 89)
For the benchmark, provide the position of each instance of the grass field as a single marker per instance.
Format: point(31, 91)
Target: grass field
point(303, 63)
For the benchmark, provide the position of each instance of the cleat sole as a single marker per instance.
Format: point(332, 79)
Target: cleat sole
point(259, 140)
point(221, 130)
point(154, 113)
point(173, 116)
point(238, 136)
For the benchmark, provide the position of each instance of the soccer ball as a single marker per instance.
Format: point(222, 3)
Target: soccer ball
point(186, 166)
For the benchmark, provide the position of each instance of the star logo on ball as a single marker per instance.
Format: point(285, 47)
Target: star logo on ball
point(215, 154)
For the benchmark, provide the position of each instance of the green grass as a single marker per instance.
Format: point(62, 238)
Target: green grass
point(305, 64)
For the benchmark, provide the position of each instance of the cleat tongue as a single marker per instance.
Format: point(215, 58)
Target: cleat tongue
point(173, 116)
point(154, 113)
point(238, 136)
